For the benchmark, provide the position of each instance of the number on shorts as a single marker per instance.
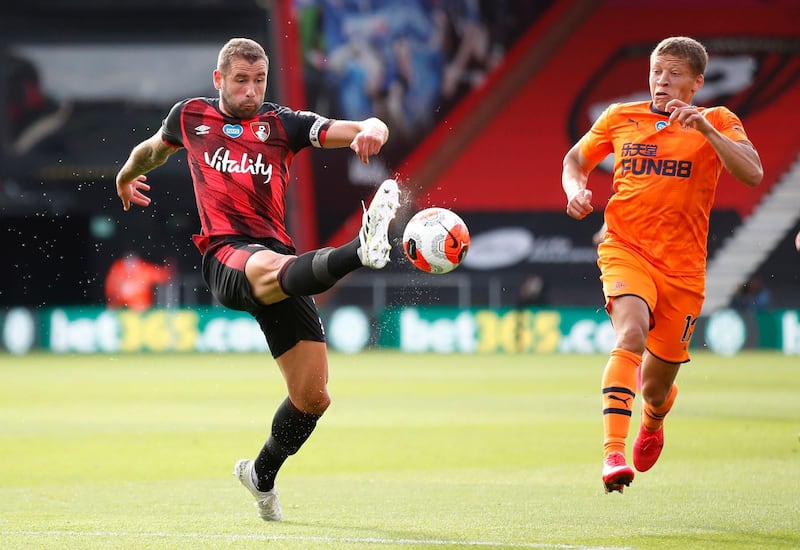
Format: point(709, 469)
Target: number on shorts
point(688, 328)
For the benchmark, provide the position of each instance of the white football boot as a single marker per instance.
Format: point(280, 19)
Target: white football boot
point(269, 508)
point(374, 234)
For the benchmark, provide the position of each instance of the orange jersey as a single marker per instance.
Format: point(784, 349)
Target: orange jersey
point(665, 179)
point(130, 283)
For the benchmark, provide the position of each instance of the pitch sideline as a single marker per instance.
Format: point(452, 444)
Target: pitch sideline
point(299, 538)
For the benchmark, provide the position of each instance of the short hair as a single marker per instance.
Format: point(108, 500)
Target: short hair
point(250, 50)
point(685, 48)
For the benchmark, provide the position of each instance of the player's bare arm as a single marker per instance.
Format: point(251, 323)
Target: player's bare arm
point(574, 178)
point(131, 181)
point(365, 137)
point(739, 158)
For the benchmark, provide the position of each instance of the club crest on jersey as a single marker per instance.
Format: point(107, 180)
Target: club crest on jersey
point(260, 130)
point(232, 130)
point(661, 124)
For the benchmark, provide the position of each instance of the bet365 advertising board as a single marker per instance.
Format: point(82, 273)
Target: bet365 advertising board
point(351, 329)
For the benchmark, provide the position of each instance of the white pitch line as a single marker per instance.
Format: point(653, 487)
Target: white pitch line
point(300, 538)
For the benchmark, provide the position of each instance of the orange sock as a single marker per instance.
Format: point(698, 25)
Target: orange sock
point(653, 417)
point(619, 391)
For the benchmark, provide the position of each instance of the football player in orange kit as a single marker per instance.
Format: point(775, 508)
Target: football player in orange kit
point(668, 157)
point(131, 281)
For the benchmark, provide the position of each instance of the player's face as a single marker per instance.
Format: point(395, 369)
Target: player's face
point(242, 87)
point(672, 78)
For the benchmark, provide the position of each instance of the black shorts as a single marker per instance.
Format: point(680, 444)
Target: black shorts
point(284, 323)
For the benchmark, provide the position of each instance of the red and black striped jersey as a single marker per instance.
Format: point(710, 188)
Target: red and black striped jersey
point(240, 167)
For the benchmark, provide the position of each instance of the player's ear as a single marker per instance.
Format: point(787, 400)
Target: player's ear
point(217, 79)
point(698, 82)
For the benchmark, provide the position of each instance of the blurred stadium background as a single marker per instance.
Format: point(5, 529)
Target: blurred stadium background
point(483, 98)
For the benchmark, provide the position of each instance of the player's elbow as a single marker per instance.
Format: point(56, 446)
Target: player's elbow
point(747, 166)
point(753, 176)
point(571, 159)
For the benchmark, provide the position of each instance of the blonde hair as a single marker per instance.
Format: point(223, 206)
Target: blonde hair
point(685, 48)
point(250, 50)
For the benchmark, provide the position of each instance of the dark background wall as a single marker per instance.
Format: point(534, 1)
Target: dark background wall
point(84, 81)
point(122, 65)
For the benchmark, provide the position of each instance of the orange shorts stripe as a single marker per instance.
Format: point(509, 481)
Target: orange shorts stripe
point(675, 302)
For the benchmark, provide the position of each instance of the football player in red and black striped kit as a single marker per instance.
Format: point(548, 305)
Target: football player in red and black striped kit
point(239, 151)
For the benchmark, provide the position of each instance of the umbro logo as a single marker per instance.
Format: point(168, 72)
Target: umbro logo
point(202, 130)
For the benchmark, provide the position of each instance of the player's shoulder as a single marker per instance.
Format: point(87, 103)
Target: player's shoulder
point(283, 111)
point(271, 108)
point(721, 117)
point(629, 107)
point(725, 120)
point(195, 104)
point(204, 102)
point(720, 111)
point(625, 110)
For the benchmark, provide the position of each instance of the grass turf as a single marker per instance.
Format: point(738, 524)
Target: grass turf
point(417, 451)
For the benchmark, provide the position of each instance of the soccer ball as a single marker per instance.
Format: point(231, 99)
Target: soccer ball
point(436, 240)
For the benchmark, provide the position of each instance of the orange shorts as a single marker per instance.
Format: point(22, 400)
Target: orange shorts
point(675, 302)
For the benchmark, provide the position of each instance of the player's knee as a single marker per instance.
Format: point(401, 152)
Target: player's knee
point(315, 403)
point(262, 274)
point(632, 338)
point(655, 394)
point(319, 405)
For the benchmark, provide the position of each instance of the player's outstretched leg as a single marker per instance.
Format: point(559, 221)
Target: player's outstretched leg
point(374, 234)
point(616, 472)
point(269, 508)
point(318, 270)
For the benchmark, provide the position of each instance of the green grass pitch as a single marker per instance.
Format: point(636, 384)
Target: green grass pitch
point(416, 452)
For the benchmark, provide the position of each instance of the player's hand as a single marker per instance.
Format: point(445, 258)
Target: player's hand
point(366, 144)
point(579, 204)
point(130, 192)
point(797, 241)
point(686, 115)
point(369, 140)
